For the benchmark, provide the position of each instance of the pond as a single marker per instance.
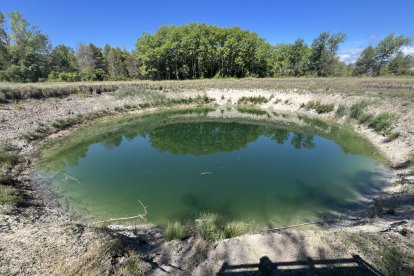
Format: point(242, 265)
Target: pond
point(183, 163)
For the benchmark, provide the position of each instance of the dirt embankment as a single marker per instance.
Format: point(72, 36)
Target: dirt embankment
point(38, 237)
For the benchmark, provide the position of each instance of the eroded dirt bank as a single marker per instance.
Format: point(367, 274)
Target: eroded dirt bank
point(38, 237)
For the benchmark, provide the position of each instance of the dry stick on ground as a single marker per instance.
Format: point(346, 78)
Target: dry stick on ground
point(284, 227)
point(141, 216)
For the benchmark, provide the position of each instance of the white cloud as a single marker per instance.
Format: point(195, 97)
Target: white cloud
point(408, 50)
point(350, 55)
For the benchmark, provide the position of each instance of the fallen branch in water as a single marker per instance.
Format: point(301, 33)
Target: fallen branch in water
point(68, 177)
point(203, 173)
point(141, 216)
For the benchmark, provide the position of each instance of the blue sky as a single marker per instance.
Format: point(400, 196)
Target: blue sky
point(121, 22)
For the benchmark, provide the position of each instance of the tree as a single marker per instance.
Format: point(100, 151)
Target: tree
point(323, 53)
point(132, 66)
point(116, 62)
point(365, 62)
point(385, 50)
point(202, 51)
point(91, 62)
point(24, 51)
point(3, 43)
point(400, 65)
point(298, 58)
point(62, 59)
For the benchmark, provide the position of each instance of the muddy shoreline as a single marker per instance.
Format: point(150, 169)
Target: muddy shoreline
point(39, 222)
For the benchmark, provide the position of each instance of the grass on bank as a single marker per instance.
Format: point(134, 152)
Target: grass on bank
point(320, 107)
point(378, 87)
point(99, 256)
point(8, 194)
point(45, 130)
point(209, 227)
point(380, 250)
point(175, 231)
point(381, 123)
point(253, 100)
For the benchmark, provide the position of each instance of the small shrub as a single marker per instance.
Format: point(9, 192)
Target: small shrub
point(381, 122)
point(7, 195)
point(392, 136)
point(32, 136)
point(253, 100)
point(357, 109)
point(175, 231)
point(144, 94)
point(202, 99)
point(320, 107)
point(67, 122)
point(341, 111)
point(119, 109)
point(133, 265)
point(364, 118)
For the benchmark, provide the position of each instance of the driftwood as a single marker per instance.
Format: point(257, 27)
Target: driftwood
point(140, 216)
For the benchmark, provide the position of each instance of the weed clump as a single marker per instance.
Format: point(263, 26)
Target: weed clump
point(341, 111)
point(253, 100)
point(357, 109)
point(175, 231)
point(235, 228)
point(8, 196)
point(210, 227)
point(67, 122)
point(213, 227)
point(381, 122)
point(320, 107)
point(144, 94)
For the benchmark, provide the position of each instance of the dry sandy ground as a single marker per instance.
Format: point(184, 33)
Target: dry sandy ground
point(40, 238)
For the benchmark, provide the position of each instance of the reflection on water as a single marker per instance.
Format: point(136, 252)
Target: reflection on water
point(180, 167)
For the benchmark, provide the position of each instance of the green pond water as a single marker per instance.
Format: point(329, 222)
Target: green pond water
point(180, 164)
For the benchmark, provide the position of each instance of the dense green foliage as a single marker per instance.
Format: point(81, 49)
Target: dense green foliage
point(190, 51)
point(373, 61)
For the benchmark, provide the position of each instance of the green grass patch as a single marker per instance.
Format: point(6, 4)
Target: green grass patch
point(341, 111)
point(253, 100)
point(210, 226)
point(320, 107)
point(235, 228)
point(391, 136)
point(175, 231)
point(213, 227)
point(8, 196)
point(357, 109)
point(144, 94)
point(67, 122)
point(382, 122)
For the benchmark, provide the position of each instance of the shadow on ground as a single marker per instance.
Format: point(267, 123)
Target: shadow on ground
point(350, 266)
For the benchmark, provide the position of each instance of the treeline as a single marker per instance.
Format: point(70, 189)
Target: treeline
point(188, 52)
